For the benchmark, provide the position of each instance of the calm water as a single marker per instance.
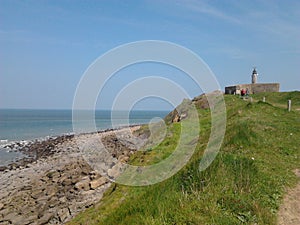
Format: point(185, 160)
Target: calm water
point(17, 125)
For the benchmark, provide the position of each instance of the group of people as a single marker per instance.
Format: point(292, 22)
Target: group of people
point(245, 92)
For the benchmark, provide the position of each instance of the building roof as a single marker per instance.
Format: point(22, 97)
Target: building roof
point(254, 71)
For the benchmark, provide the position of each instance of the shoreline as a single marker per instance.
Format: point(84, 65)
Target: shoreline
point(32, 150)
point(58, 183)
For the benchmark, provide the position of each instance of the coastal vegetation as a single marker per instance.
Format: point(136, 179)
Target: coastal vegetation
point(245, 184)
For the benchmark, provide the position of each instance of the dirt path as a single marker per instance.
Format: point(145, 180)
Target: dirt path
point(289, 211)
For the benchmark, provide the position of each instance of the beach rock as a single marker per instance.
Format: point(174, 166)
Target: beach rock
point(53, 202)
point(5, 223)
point(44, 219)
point(63, 214)
point(84, 184)
point(74, 179)
point(123, 158)
point(52, 174)
point(67, 182)
point(14, 218)
point(57, 183)
point(28, 219)
point(94, 175)
point(36, 194)
point(98, 182)
point(73, 209)
point(50, 191)
point(62, 199)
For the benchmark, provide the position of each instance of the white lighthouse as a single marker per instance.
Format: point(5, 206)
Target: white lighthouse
point(254, 76)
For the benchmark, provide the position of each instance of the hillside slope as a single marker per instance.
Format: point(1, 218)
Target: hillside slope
point(245, 184)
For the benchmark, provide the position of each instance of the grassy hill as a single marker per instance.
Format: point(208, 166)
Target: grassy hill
point(244, 184)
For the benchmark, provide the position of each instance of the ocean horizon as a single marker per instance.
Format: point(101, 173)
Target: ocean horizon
point(17, 125)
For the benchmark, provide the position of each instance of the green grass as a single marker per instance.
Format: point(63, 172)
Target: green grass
point(150, 155)
point(280, 98)
point(244, 184)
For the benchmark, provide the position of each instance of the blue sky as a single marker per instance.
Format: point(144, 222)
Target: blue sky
point(45, 46)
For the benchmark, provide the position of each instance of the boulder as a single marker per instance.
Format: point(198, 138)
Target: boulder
point(63, 214)
point(97, 182)
point(84, 184)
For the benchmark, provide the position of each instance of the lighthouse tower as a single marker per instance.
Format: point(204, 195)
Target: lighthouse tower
point(254, 76)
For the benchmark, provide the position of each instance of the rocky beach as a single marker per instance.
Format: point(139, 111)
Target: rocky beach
point(54, 181)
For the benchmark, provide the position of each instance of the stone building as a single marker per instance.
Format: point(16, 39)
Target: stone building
point(254, 87)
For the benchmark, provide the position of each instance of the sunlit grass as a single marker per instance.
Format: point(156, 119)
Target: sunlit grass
point(243, 185)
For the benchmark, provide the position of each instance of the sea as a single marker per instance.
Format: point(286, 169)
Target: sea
point(27, 125)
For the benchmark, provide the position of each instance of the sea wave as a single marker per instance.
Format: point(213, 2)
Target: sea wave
point(3, 141)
